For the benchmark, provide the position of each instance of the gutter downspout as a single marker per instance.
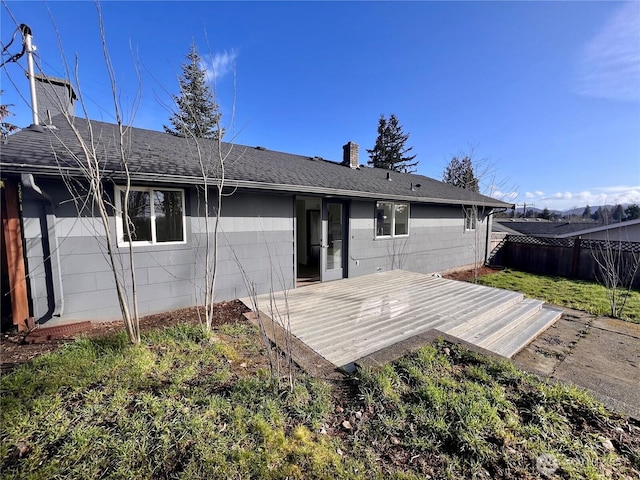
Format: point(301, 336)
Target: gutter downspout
point(488, 249)
point(54, 250)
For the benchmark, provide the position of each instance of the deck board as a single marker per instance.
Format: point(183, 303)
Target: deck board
point(347, 319)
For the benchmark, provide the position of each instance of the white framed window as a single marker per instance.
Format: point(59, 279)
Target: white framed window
point(156, 216)
point(470, 218)
point(392, 219)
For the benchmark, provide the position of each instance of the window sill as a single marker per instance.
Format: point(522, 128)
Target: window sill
point(391, 237)
point(149, 244)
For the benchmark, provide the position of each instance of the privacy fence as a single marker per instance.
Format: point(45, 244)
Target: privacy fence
point(567, 257)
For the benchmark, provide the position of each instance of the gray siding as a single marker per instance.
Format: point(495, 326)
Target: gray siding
point(615, 233)
point(437, 241)
point(256, 235)
point(35, 255)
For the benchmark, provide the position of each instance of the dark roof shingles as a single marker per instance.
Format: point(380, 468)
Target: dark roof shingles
point(156, 153)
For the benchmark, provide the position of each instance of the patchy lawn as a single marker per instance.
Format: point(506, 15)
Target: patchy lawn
point(577, 294)
point(183, 406)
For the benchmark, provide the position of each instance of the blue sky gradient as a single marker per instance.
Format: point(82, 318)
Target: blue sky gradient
point(546, 94)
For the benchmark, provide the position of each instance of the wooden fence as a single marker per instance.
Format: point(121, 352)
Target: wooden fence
point(565, 257)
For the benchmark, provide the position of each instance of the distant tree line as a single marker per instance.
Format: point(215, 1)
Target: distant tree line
point(603, 215)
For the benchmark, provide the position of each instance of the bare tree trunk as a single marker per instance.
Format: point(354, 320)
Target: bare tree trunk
point(616, 271)
point(93, 196)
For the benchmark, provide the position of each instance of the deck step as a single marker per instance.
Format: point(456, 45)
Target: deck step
point(461, 321)
point(509, 345)
point(490, 330)
point(321, 329)
point(368, 340)
point(351, 318)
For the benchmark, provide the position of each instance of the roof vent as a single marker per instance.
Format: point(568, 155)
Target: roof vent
point(260, 148)
point(389, 176)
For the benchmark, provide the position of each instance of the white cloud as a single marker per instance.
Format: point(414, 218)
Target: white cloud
point(219, 64)
point(610, 63)
point(618, 189)
point(504, 196)
point(596, 196)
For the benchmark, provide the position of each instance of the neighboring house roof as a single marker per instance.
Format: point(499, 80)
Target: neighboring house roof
point(161, 157)
point(538, 227)
point(499, 227)
point(601, 228)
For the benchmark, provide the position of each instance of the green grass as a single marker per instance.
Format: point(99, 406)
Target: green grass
point(183, 406)
point(580, 295)
point(176, 406)
point(469, 415)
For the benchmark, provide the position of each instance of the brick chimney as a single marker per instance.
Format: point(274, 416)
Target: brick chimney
point(350, 155)
point(54, 96)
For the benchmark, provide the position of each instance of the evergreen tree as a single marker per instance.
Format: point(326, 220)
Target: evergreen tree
point(389, 151)
point(632, 212)
point(459, 172)
point(587, 212)
point(545, 214)
point(198, 113)
point(618, 213)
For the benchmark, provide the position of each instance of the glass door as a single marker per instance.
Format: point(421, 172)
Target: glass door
point(333, 241)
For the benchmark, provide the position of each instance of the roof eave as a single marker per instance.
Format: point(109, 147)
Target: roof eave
point(52, 171)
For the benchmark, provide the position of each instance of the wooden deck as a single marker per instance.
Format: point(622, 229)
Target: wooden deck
point(348, 319)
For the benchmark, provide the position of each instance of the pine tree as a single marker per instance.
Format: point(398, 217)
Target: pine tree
point(198, 113)
point(586, 214)
point(459, 172)
point(632, 212)
point(618, 213)
point(545, 214)
point(389, 152)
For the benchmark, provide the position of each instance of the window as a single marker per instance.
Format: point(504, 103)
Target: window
point(155, 215)
point(470, 218)
point(392, 219)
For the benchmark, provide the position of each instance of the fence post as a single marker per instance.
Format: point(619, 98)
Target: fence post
point(575, 264)
point(507, 245)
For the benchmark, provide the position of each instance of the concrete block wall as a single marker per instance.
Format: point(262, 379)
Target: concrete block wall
point(256, 233)
point(437, 241)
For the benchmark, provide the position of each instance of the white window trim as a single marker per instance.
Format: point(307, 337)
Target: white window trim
point(470, 212)
point(393, 220)
point(120, 225)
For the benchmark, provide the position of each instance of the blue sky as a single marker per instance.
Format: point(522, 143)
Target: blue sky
point(546, 94)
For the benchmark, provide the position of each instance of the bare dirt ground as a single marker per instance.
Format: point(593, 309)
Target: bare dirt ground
point(467, 275)
point(15, 350)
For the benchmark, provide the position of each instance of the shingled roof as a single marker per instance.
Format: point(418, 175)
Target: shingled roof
point(161, 157)
point(539, 228)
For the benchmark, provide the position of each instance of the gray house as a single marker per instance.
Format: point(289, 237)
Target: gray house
point(286, 219)
point(628, 231)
